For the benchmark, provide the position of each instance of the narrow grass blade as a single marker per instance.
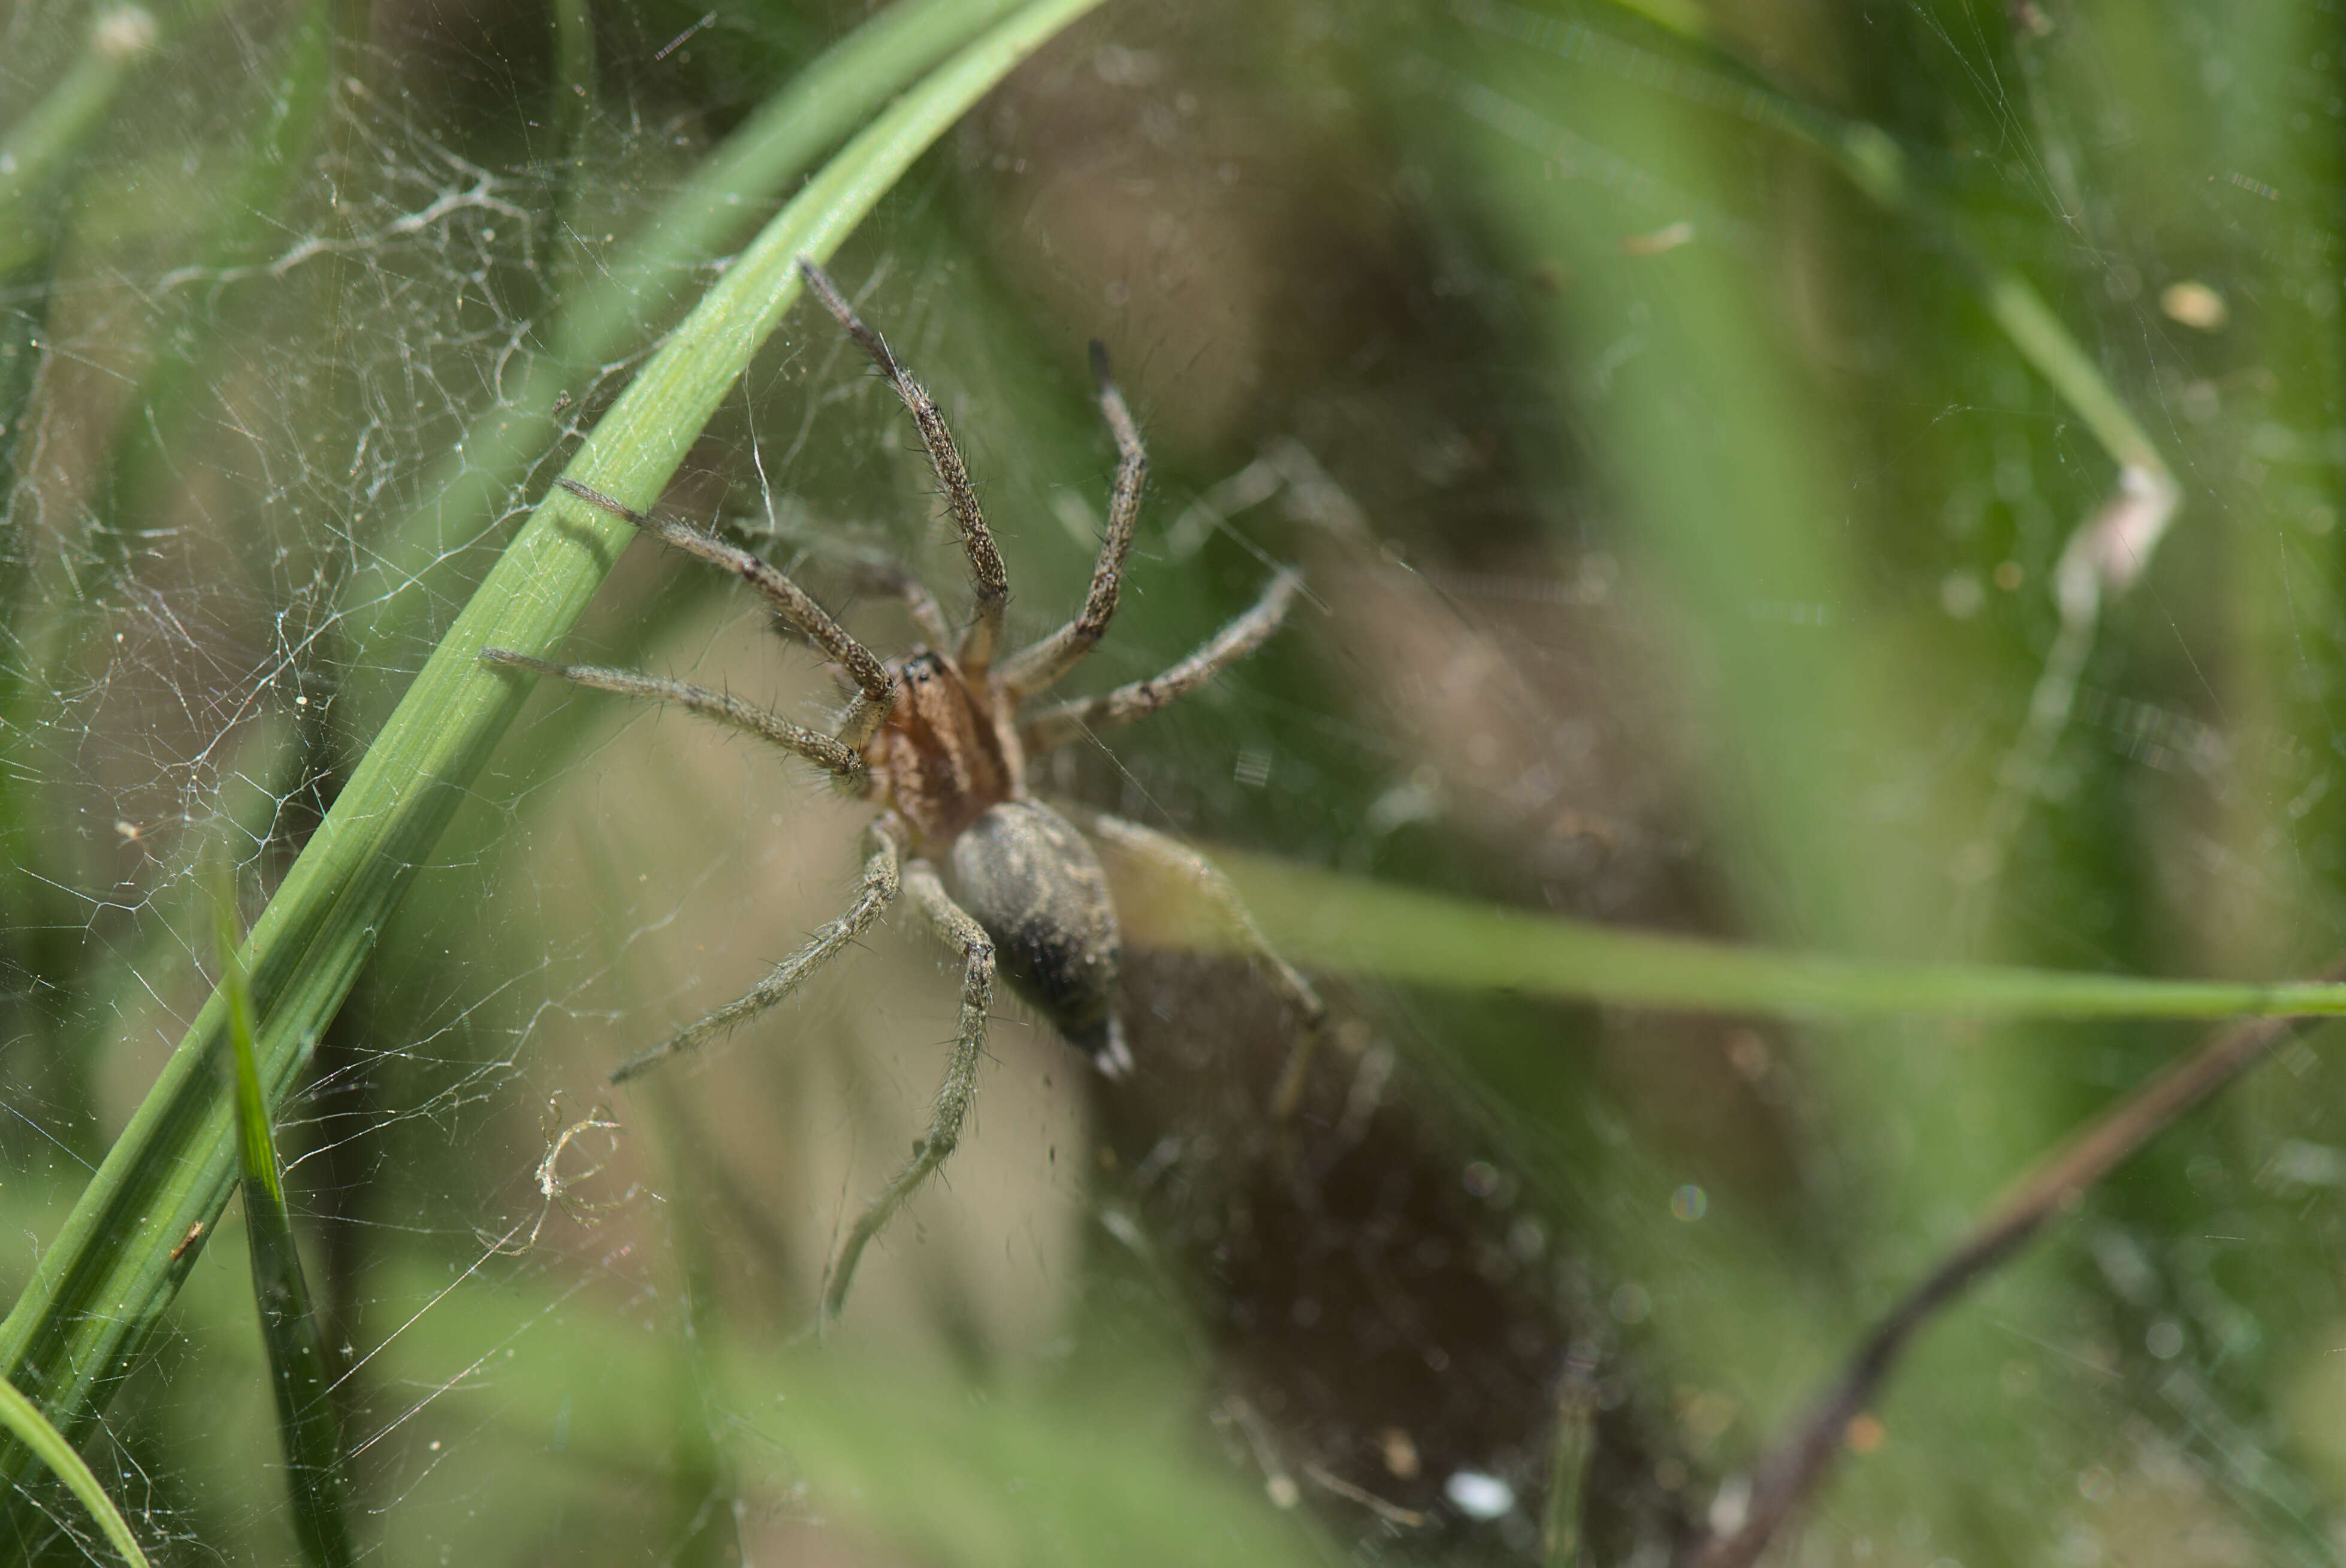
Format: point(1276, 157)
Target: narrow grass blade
point(245, 225)
point(1354, 924)
point(35, 151)
point(316, 1477)
point(23, 1420)
point(1561, 1542)
point(101, 1289)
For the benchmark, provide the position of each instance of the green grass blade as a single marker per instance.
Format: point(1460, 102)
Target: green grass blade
point(1328, 920)
point(102, 1287)
point(1870, 158)
point(1567, 1487)
point(23, 1420)
point(839, 91)
point(35, 151)
point(631, 290)
point(250, 221)
point(315, 1475)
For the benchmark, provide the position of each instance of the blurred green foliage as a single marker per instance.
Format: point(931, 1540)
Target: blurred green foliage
point(1683, 415)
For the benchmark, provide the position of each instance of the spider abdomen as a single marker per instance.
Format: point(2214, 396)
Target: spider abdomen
point(1036, 885)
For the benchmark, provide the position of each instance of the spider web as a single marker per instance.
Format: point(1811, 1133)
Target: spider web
point(243, 387)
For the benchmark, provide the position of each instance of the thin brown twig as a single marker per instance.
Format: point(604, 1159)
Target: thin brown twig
point(1785, 1479)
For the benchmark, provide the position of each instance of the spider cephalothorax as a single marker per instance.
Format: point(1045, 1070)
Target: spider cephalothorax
point(939, 742)
point(945, 753)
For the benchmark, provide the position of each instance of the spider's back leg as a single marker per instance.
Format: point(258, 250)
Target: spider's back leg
point(1177, 860)
point(882, 870)
point(954, 927)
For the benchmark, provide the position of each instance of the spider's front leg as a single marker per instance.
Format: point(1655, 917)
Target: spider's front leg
point(833, 755)
point(989, 583)
point(876, 689)
point(958, 931)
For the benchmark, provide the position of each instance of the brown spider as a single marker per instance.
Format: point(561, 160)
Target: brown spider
point(936, 740)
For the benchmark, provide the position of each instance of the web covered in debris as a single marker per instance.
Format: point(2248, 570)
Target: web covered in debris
point(2000, 372)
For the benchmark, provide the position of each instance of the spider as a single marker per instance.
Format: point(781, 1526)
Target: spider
point(939, 742)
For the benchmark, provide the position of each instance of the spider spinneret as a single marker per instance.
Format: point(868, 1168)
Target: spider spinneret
point(939, 743)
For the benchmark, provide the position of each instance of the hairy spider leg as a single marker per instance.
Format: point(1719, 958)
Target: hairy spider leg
point(833, 755)
point(875, 688)
point(1173, 856)
point(989, 583)
point(1068, 720)
point(955, 928)
point(885, 579)
point(883, 858)
point(869, 571)
point(892, 579)
point(1035, 668)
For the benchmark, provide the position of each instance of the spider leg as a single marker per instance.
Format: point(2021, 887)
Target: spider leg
point(958, 931)
point(875, 690)
point(988, 582)
point(1038, 666)
point(892, 579)
point(883, 857)
point(872, 571)
point(834, 757)
point(1058, 725)
point(1171, 855)
point(885, 579)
